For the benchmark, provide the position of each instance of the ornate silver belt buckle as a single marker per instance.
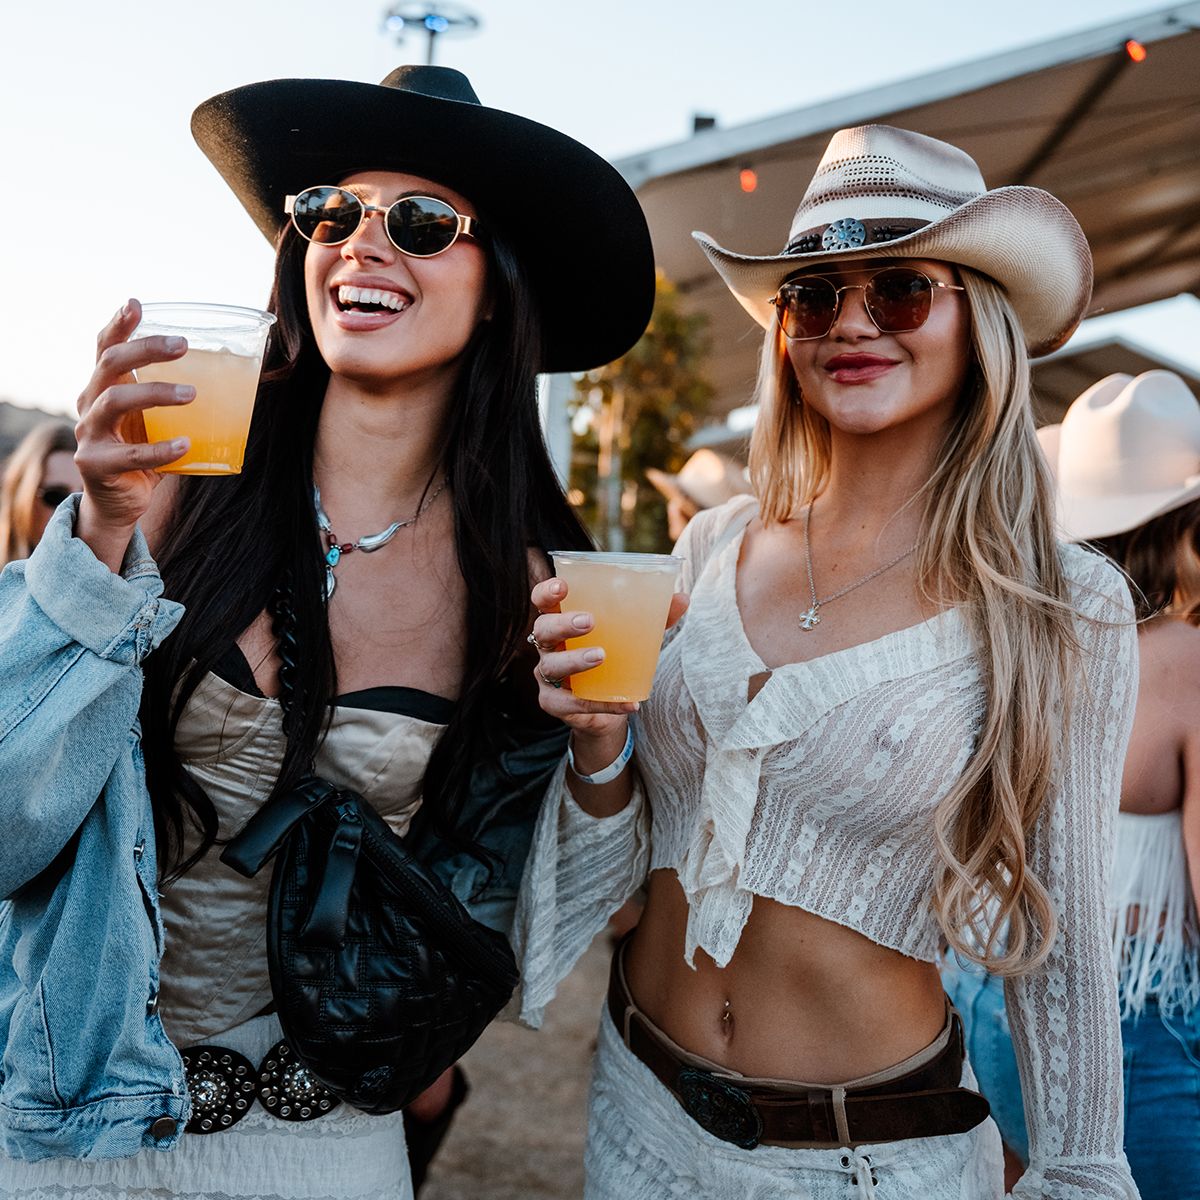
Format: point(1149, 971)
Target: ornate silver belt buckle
point(723, 1109)
point(289, 1090)
point(221, 1084)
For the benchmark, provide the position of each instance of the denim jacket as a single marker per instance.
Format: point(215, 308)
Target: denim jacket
point(87, 1070)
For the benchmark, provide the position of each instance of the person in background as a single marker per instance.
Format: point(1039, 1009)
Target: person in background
point(39, 475)
point(1127, 462)
point(706, 480)
point(978, 995)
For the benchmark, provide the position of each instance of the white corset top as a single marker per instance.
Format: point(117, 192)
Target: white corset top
point(214, 968)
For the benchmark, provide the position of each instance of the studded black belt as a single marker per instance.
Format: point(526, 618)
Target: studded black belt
point(223, 1084)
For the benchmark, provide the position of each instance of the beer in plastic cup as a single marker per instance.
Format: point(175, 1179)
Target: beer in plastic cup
point(628, 596)
point(222, 362)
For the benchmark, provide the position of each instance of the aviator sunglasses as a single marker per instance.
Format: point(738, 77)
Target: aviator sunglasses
point(897, 299)
point(420, 226)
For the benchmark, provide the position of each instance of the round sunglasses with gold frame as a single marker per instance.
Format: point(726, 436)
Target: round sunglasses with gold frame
point(419, 226)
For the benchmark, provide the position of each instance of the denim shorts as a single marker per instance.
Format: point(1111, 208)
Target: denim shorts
point(1162, 1082)
point(979, 998)
point(1162, 1102)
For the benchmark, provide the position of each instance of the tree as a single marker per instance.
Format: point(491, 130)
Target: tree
point(634, 413)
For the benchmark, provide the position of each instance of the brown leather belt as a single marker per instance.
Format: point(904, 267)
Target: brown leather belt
point(925, 1102)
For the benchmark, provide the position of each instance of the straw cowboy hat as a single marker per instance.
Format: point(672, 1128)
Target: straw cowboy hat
point(1127, 450)
point(572, 219)
point(706, 480)
point(889, 193)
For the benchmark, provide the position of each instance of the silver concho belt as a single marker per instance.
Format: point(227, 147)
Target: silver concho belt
point(223, 1085)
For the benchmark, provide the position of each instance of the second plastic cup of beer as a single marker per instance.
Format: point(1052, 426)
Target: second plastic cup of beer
point(628, 596)
point(223, 360)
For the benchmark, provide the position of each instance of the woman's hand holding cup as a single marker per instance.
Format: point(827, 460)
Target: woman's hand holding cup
point(598, 727)
point(115, 460)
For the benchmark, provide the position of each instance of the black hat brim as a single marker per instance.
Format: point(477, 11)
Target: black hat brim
point(571, 218)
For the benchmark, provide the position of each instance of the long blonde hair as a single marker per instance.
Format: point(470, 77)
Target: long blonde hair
point(988, 546)
point(19, 487)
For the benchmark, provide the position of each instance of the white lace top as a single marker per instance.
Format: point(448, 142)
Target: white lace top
point(820, 792)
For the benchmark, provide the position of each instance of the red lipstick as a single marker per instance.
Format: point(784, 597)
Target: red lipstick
point(858, 368)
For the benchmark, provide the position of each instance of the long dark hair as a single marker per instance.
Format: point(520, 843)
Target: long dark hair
point(233, 543)
point(1162, 559)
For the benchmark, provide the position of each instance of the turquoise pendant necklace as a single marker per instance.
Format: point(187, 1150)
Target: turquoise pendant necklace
point(368, 544)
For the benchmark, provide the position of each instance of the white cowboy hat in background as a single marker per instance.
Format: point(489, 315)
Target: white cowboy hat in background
point(891, 193)
point(1127, 450)
point(706, 480)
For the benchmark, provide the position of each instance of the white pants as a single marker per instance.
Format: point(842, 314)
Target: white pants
point(643, 1146)
point(346, 1155)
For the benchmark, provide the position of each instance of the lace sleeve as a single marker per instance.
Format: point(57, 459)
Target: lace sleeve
point(1064, 1016)
point(580, 870)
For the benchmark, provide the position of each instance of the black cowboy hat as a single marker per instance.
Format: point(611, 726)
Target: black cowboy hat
point(572, 219)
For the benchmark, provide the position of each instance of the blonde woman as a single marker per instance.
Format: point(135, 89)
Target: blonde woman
point(39, 476)
point(894, 713)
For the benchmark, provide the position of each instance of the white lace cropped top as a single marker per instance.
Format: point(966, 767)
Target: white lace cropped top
point(1155, 938)
point(820, 792)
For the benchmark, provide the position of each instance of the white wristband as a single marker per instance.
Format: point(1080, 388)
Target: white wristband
point(614, 768)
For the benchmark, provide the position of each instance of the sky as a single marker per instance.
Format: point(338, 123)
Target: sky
point(97, 96)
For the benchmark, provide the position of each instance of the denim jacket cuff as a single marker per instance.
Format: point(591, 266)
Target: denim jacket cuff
point(121, 617)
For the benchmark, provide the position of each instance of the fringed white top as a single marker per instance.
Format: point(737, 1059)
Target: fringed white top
point(1156, 941)
point(820, 792)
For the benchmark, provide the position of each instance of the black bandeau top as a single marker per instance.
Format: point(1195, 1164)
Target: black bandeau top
point(233, 668)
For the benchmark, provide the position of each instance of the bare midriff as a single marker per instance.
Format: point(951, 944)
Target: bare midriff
point(802, 998)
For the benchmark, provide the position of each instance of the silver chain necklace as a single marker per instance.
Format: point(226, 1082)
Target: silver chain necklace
point(367, 544)
point(812, 618)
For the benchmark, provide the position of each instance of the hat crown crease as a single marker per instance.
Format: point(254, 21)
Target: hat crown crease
point(1144, 438)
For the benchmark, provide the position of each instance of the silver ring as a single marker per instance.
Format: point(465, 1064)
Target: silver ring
point(532, 640)
point(554, 683)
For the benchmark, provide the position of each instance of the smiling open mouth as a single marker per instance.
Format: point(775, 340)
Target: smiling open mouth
point(370, 300)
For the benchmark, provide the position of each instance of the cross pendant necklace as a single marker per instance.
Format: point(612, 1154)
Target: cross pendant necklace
point(368, 544)
point(812, 618)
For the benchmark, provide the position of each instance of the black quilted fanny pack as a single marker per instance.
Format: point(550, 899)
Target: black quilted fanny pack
point(381, 977)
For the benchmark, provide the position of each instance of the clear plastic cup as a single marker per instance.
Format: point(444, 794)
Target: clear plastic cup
point(628, 596)
point(223, 361)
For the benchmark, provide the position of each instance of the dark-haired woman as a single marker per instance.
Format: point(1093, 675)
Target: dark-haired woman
point(418, 292)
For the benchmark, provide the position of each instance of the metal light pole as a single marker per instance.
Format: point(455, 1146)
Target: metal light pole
point(431, 17)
